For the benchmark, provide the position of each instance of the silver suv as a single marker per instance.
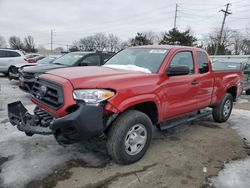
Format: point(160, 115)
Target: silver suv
point(10, 57)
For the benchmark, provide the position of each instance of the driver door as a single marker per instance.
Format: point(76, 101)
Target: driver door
point(181, 91)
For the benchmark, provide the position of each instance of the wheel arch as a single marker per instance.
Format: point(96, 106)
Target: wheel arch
point(233, 91)
point(148, 104)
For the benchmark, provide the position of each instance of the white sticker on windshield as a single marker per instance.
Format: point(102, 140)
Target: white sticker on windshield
point(157, 51)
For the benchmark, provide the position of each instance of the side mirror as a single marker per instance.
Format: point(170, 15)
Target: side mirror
point(178, 70)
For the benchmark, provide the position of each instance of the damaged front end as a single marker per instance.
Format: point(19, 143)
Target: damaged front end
point(85, 122)
point(39, 123)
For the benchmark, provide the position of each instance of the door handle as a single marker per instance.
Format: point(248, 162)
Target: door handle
point(195, 82)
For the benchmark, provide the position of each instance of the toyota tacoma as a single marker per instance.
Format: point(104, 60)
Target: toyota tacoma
point(138, 88)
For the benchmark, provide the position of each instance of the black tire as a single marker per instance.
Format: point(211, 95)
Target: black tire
point(221, 113)
point(248, 92)
point(117, 135)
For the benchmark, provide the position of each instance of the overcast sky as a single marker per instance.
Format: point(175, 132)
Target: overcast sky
point(74, 19)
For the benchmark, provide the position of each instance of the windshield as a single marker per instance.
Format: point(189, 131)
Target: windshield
point(46, 60)
point(146, 60)
point(68, 59)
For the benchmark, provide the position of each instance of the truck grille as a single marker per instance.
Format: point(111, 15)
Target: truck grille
point(48, 93)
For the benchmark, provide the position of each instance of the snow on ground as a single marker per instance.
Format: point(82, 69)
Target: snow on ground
point(35, 157)
point(236, 174)
point(241, 101)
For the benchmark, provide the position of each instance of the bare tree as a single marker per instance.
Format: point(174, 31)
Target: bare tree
point(86, 44)
point(213, 39)
point(113, 43)
point(2, 42)
point(237, 42)
point(125, 44)
point(100, 41)
point(153, 36)
point(15, 43)
point(246, 47)
point(29, 44)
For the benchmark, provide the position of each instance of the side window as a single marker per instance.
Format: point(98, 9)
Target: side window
point(13, 54)
point(93, 60)
point(3, 53)
point(183, 59)
point(203, 62)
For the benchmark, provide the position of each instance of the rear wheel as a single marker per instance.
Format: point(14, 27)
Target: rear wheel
point(222, 112)
point(129, 137)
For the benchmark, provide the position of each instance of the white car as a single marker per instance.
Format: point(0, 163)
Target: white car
point(10, 57)
point(14, 69)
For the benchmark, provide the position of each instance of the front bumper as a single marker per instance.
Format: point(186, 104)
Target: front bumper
point(85, 122)
point(14, 76)
point(26, 85)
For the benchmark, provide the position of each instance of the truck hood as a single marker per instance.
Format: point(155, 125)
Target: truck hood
point(41, 68)
point(103, 77)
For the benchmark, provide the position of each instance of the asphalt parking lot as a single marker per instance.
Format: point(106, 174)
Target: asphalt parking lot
point(190, 155)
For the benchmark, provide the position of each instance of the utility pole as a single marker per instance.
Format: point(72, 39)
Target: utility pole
point(51, 40)
point(175, 16)
point(226, 13)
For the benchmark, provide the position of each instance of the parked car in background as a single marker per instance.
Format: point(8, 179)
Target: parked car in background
point(14, 69)
point(28, 75)
point(136, 90)
point(35, 59)
point(31, 55)
point(10, 57)
point(246, 70)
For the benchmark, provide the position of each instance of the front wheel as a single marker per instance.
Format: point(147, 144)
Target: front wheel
point(222, 112)
point(129, 137)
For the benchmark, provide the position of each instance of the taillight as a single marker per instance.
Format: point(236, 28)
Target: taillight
point(30, 61)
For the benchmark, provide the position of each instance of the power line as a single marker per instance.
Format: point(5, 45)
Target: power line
point(226, 13)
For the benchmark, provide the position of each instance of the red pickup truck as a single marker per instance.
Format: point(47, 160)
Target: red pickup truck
point(138, 88)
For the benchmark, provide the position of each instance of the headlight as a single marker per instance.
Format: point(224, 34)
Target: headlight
point(92, 96)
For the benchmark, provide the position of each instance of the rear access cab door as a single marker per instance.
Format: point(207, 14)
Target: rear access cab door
point(205, 79)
